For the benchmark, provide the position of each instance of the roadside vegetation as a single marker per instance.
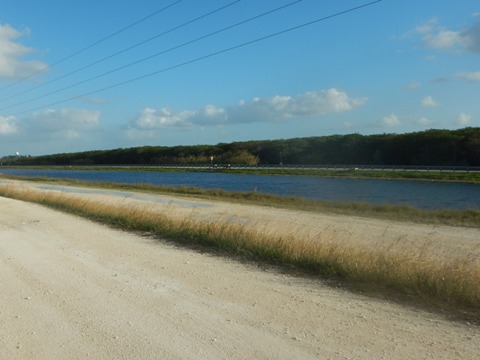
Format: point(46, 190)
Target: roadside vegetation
point(467, 218)
point(419, 175)
point(416, 273)
point(399, 174)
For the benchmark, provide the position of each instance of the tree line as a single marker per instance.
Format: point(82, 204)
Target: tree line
point(430, 148)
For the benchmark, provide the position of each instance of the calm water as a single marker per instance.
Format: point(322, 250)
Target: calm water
point(425, 195)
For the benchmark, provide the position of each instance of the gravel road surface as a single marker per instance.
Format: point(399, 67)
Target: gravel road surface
point(73, 289)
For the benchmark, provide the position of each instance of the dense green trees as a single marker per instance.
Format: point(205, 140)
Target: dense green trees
point(431, 147)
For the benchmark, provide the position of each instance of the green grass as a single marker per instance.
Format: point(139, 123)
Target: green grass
point(471, 177)
point(417, 272)
point(421, 175)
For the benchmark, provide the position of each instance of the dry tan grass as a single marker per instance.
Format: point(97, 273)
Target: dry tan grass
point(466, 218)
point(419, 271)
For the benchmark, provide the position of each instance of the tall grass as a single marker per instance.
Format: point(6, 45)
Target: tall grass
point(468, 218)
point(421, 273)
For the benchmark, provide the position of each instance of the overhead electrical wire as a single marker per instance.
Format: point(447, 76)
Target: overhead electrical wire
point(197, 59)
point(92, 45)
point(154, 55)
point(123, 50)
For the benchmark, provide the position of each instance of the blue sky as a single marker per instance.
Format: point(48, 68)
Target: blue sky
point(79, 75)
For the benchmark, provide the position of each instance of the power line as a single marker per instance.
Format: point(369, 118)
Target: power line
point(154, 55)
point(92, 45)
point(122, 51)
point(216, 53)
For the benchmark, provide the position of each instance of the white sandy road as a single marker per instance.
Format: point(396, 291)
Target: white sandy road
point(72, 289)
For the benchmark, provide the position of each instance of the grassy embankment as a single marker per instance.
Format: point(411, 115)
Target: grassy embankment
point(399, 174)
point(469, 218)
point(420, 273)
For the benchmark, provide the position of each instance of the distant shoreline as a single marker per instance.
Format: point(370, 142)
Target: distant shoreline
point(443, 174)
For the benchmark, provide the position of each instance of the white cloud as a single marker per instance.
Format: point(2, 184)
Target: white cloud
point(12, 64)
point(439, 37)
point(427, 28)
point(324, 102)
point(470, 76)
point(7, 125)
point(391, 120)
point(273, 109)
point(464, 119)
point(444, 39)
point(64, 120)
point(209, 115)
point(429, 101)
point(161, 118)
point(52, 130)
point(425, 122)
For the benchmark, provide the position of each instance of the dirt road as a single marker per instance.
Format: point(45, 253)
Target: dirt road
point(73, 289)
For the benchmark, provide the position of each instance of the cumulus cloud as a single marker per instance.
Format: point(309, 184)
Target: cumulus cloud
point(275, 109)
point(67, 123)
point(439, 37)
point(149, 118)
point(12, 53)
point(425, 122)
point(470, 76)
point(7, 125)
point(391, 120)
point(209, 115)
point(282, 108)
point(464, 119)
point(445, 39)
point(63, 122)
point(429, 101)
